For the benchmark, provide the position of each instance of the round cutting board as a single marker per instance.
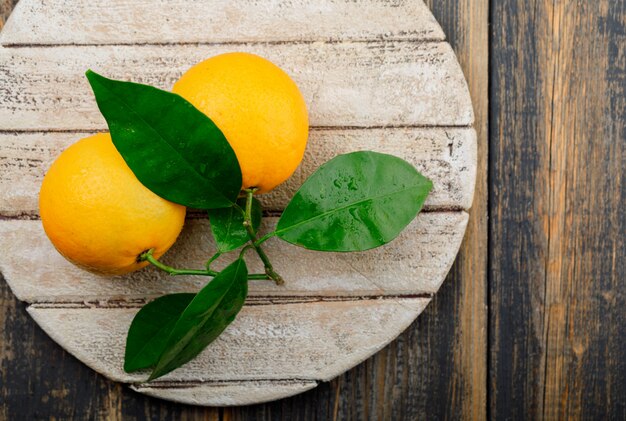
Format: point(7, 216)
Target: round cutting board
point(376, 75)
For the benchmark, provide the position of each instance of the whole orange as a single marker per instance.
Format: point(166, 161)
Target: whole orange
point(98, 215)
point(258, 108)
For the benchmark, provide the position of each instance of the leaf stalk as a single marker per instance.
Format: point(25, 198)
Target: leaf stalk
point(247, 223)
point(148, 257)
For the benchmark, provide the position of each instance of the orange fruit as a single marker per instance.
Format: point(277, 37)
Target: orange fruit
point(98, 215)
point(258, 108)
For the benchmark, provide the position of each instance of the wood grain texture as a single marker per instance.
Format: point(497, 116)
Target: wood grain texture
point(416, 377)
point(558, 249)
point(37, 22)
point(429, 372)
point(344, 84)
point(446, 156)
point(466, 24)
point(414, 263)
point(437, 368)
point(226, 393)
point(302, 341)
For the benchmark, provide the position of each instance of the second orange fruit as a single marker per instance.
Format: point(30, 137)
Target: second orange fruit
point(259, 109)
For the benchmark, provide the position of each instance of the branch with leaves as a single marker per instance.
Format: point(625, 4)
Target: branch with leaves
point(354, 202)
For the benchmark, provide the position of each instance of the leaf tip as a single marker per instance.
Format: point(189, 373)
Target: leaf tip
point(90, 74)
point(154, 375)
point(93, 77)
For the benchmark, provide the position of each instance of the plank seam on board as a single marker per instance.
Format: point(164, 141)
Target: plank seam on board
point(185, 384)
point(256, 300)
point(198, 214)
point(331, 41)
point(311, 128)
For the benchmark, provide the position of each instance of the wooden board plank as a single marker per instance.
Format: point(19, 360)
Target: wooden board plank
point(227, 393)
point(558, 249)
point(312, 341)
point(200, 21)
point(415, 263)
point(447, 156)
point(344, 84)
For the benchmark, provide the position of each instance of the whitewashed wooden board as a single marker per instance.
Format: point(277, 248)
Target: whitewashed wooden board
point(376, 74)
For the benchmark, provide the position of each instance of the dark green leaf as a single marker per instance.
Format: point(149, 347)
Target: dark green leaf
point(227, 225)
point(218, 302)
point(174, 149)
point(223, 315)
point(355, 201)
point(151, 328)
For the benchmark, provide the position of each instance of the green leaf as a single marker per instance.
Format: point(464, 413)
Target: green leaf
point(354, 202)
point(150, 329)
point(208, 314)
point(223, 315)
point(173, 148)
point(227, 225)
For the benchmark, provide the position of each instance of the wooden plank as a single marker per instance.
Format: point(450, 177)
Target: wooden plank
point(414, 263)
point(227, 393)
point(312, 341)
point(464, 302)
point(558, 249)
point(344, 84)
point(447, 156)
point(42, 22)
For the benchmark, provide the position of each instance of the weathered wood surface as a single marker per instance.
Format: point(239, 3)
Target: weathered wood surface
point(462, 393)
point(291, 334)
point(380, 83)
point(447, 156)
point(193, 21)
point(412, 378)
point(226, 393)
point(558, 225)
point(414, 263)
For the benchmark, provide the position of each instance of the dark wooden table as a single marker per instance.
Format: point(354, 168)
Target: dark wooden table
point(531, 322)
